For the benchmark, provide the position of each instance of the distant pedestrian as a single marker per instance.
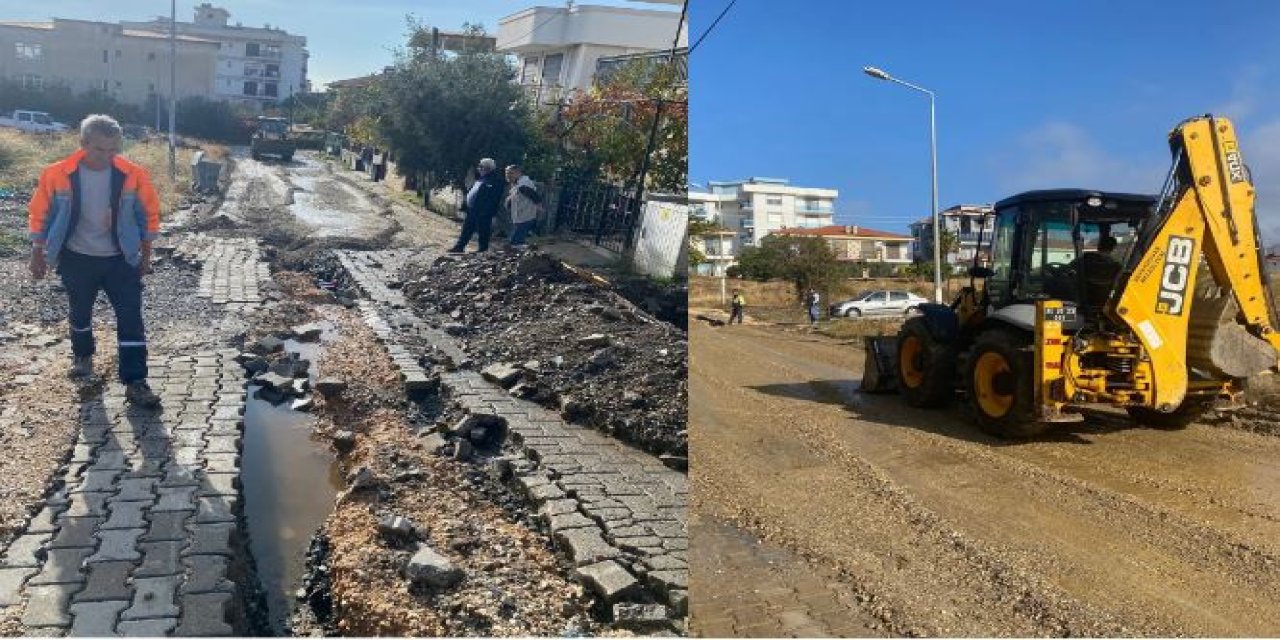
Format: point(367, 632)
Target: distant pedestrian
point(379, 164)
point(93, 217)
point(366, 158)
point(736, 305)
point(523, 201)
point(481, 204)
point(811, 301)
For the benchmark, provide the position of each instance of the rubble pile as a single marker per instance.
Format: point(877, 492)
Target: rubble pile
point(548, 336)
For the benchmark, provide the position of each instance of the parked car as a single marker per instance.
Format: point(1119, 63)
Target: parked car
point(879, 302)
point(37, 121)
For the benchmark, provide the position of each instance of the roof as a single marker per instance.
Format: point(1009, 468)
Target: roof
point(1045, 195)
point(155, 35)
point(28, 25)
point(842, 231)
point(348, 83)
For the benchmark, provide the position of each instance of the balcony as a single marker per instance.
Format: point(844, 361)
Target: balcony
point(544, 94)
point(811, 209)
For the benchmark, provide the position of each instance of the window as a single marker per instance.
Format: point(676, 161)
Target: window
point(773, 200)
point(529, 75)
point(32, 81)
point(252, 71)
point(250, 89)
point(271, 51)
point(151, 87)
point(104, 86)
point(269, 89)
point(273, 71)
point(775, 219)
point(252, 49)
point(876, 296)
point(106, 55)
point(898, 296)
point(151, 56)
point(119, 54)
point(29, 51)
point(551, 69)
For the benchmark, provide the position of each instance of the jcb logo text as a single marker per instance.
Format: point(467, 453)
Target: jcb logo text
point(1176, 275)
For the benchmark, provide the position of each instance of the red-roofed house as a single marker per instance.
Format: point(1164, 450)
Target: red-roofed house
point(860, 244)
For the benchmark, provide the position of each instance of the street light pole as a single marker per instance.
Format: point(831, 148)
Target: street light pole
point(933, 160)
point(173, 88)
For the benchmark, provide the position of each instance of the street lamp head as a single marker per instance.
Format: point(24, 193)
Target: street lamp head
point(875, 73)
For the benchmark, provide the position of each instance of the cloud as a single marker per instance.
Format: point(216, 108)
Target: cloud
point(1064, 155)
point(1246, 95)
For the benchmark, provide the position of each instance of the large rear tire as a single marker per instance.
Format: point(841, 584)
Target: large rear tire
point(1188, 412)
point(926, 366)
point(999, 378)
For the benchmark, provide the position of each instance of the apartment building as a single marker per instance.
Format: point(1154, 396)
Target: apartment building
point(852, 243)
point(967, 221)
point(558, 48)
point(127, 63)
point(755, 207)
point(256, 66)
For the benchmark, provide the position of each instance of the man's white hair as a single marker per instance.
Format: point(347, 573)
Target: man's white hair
point(488, 163)
point(100, 125)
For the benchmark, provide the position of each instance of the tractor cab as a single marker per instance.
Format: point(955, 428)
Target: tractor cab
point(1062, 244)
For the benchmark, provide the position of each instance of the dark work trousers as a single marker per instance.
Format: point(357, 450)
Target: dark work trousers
point(83, 276)
point(473, 224)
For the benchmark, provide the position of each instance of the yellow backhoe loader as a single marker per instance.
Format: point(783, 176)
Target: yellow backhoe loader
point(1157, 304)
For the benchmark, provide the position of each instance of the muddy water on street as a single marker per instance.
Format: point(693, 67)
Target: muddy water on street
point(289, 481)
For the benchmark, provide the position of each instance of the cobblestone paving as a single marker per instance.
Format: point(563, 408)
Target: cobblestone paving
point(231, 269)
point(603, 500)
point(772, 594)
point(136, 540)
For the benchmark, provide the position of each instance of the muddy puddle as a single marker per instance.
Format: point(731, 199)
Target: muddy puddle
point(289, 484)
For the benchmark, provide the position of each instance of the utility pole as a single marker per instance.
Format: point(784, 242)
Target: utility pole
point(173, 89)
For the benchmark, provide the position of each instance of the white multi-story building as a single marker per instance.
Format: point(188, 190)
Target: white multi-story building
point(255, 66)
point(755, 207)
point(558, 47)
point(968, 222)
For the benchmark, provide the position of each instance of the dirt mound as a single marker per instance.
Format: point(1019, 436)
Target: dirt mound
point(582, 349)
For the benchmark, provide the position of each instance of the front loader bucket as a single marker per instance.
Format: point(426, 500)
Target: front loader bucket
point(880, 366)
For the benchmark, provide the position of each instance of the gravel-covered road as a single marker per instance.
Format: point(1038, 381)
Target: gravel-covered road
point(1100, 528)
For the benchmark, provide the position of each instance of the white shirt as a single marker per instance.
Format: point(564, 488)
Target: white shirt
point(522, 208)
point(93, 235)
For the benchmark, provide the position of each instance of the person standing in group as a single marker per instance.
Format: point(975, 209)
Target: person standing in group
point(481, 204)
point(523, 201)
point(811, 301)
point(93, 217)
point(736, 305)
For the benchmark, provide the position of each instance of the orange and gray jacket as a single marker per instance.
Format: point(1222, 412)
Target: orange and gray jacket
point(55, 207)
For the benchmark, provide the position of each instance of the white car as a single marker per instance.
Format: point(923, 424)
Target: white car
point(880, 302)
point(35, 121)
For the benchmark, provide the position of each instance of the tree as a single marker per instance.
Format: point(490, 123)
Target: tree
point(442, 114)
point(610, 125)
point(807, 262)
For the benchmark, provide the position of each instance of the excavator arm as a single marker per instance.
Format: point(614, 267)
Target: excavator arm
point(1208, 210)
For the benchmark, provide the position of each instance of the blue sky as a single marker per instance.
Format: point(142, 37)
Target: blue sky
point(1030, 95)
point(346, 38)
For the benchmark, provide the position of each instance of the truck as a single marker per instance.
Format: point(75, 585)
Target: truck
point(271, 137)
point(1156, 304)
point(34, 121)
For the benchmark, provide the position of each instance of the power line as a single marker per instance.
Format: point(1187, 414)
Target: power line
point(712, 27)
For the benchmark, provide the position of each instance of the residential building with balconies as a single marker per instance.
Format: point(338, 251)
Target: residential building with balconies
point(969, 223)
point(760, 206)
point(558, 47)
point(130, 65)
point(255, 66)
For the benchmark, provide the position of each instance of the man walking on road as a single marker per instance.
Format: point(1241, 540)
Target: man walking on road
point(92, 218)
point(523, 202)
point(811, 301)
point(736, 305)
point(481, 204)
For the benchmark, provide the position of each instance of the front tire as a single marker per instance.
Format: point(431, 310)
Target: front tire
point(999, 378)
point(926, 366)
point(853, 313)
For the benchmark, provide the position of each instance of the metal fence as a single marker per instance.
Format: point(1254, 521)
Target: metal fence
point(599, 211)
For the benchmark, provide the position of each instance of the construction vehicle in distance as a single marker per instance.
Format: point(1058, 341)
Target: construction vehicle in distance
point(1166, 319)
point(271, 138)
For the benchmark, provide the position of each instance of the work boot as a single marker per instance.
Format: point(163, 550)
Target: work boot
point(81, 367)
point(139, 394)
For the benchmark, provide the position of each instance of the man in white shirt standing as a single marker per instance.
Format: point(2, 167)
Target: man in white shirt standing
point(523, 202)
